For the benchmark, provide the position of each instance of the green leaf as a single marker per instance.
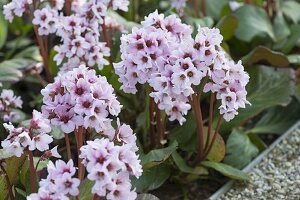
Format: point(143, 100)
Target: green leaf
point(239, 149)
point(57, 133)
point(281, 28)
point(227, 26)
point(128, 25)
point(226, 170)
point(297, 92)
point(152, 178)
point(146, 197)
point(158, 156)
point(203, 22)
point(253, 21)
point(291, 10)
point(32, 53)
point(263, 55)
point(277, 120)
point(10, 74)
point(214, 8)
point(268, 87)
point(3, 30)
point(292, 39)
point(85, 189)
point(294, 59)
point(18, 63)
point(4, 154)
point(181, 164)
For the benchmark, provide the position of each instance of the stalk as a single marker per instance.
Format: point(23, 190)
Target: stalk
point(203, 7)
point(210, 119)
point(68, 5)
point(79, 133)
point(32, 172)
point(160, 126)
point(107, 40)
point(68, 146)
point(152, 113)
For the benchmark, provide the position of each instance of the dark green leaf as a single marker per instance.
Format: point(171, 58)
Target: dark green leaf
point(281, 28)
point(253, 21)
point(227, 26)
point(267, 87)
point(292, 40)
point(294, 59)
point(181, 164)
point(85, 189)
point(42, 164)
point(158, 156)
point(239, 149)
point(263, 55)
point(10, 74)
point(226, 170)
point(146, 197)
point(214, 8)
point(152, 178)
point(128, 25)
point(31, 52)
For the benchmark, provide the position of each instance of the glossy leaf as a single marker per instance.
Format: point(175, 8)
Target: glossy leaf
point(226, 170)
point(281, 28)
point(158, 156)
point(181, 164)
point(146, 197)
point(239, 149)
point(152, 178)
point(294, 59)
point(227, 26)
point(3, 30)
point(263, 55)
point(292, 39)
point(253, 21)
point(291, 10)
point(85, 189)
point(214, 8)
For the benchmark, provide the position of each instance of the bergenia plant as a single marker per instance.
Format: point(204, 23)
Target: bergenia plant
point(161, 54)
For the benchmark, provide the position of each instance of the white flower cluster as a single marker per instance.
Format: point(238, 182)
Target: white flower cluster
point(59, 184)
point(110, 165)
point(164, 54)
point(79, 32)
point(9, 101)
point(35, 137)
point(80, 98)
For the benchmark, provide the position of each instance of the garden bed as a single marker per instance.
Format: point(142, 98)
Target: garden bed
point(273, 174)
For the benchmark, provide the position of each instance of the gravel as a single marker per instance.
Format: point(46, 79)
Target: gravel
point(277, 176)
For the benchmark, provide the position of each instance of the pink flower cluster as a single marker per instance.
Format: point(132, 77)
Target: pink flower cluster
point(15, 8)
point(9, 101)
point(80, 98)
point(34, 137)
point(110, 165)
point(59, 184)
point(164, 54)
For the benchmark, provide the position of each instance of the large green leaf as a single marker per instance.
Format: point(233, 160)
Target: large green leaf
point(158, 156)
point(263, 55)
point(278, 119)
point(268, 87)
point(32, 53)
point(10, 74)
point(42, 164)
point(281, 28)
point(292, 40)
point(291, 10)
point(146, 197)
point(253, 21)
point(152, 178)
point(226, 170)
point(181, 164)
point(294, 59)
point(3, 30)
point(239, 149)
point(128, 25)
point(227, 26)
point(214, 7)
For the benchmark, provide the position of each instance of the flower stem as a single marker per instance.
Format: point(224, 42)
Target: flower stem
point(79, 137)
point(210, 119)
point(203, 7)
point(160, 126)
point(152, 114)
point(199, 121)
point(68, 146)
point(44, 53)
point(107, 40)
point(220, 119)
point(32, 172)
point(68, 5)
point(96, 197)
point(11, 194)
point(196, 11)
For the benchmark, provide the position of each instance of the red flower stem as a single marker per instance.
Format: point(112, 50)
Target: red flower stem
point(210, 119)
point(68, 5)
point(160, 126)
point(68, 146)
point(152, 114)
point(196, 10)
point(79, 137)
point(107, 40)
point(203, 7)
point(44, 54)
point(220, 119)
point(11, 194)
point(32, 172)
point(96, 197)
point(199, 122)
